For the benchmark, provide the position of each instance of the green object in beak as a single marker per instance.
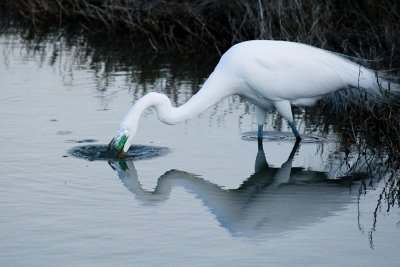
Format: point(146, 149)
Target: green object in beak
point(122, 142)
point(116, 146)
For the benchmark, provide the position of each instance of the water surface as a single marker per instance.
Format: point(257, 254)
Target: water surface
point(215, 199)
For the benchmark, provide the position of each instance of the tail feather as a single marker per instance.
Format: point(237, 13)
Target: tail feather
point(388, 83)
point(366, 87)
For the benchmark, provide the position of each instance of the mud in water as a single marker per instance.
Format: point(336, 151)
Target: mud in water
point(100, 152)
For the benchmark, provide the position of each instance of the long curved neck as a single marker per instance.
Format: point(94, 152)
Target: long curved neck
point(213, 90)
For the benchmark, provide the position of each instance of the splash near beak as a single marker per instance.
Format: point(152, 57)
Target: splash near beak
point(116, 146)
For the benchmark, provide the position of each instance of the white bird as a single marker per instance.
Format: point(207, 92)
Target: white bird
point(269, 74)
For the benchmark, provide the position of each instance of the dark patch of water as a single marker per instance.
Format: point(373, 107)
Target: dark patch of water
point(82, 141)
point(100, 152)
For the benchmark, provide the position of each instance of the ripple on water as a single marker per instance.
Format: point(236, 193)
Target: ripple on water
point(82, 141)
point(282, 136)
point(100, 152)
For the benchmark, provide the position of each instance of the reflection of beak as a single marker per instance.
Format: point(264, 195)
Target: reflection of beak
point(120, 165)
point(116, 146)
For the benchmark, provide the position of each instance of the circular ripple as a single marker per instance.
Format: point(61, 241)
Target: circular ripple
point(282, 136)
point(100, 152)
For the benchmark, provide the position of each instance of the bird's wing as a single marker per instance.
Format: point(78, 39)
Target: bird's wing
point(287, 71)
point(294, 76)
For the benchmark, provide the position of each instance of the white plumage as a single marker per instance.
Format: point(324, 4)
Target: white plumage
point(269, 74)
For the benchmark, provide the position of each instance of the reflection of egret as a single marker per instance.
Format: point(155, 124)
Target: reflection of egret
point(272, 200)
point(269, 74)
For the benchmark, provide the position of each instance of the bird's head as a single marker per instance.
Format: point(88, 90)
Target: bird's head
point(120, 143)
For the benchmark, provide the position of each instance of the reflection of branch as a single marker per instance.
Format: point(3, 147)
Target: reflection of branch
point(373, 229)
point(389, 194)
point(360, 228)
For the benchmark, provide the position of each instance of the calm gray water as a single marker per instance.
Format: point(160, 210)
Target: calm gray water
point(215, 199)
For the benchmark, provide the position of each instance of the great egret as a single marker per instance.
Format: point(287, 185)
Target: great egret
point(269, 74)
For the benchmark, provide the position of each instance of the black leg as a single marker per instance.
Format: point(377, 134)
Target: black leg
point(260, 135)
point(294, 130)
